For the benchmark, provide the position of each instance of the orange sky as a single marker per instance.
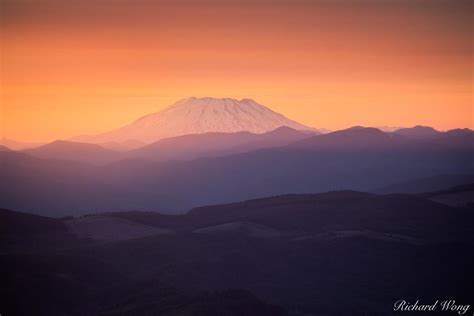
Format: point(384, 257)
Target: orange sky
point(81, 66)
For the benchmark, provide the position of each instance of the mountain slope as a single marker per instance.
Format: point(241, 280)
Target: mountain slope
point(196, 116)
point(16, 145)
point(59, 187)
point(188, 147)
point(124, 146)
point(73, 151)
point(4, 148)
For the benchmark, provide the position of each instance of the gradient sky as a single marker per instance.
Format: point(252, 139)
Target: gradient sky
point(87, 66)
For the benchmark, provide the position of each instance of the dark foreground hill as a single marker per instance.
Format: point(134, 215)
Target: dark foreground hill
point(336, 253)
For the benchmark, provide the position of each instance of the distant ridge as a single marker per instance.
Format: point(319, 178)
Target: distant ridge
point(4, 148)
point(74, 151)
point(188, 147)
point(418, 132)
point(353, 137)
point(17, 145)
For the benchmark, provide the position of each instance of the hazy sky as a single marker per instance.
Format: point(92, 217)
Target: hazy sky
point(87, 66)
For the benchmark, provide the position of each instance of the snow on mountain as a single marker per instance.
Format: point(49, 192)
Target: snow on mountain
point(197, 116)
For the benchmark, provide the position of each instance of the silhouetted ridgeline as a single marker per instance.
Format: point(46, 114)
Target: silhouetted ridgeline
point(336, 253)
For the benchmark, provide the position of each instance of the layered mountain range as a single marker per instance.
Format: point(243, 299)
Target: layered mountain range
point(175, 174)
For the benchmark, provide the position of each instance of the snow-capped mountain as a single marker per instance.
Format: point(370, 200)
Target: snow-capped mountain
point(197, 116)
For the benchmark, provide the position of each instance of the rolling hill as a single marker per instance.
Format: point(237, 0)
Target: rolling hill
point(285, 250)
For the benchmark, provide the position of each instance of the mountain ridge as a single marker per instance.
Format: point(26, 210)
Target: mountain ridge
point(74, 151)
point(213, 144)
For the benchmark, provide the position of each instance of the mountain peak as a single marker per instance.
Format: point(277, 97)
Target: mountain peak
point(214, 102)
point(193, 98)
point(361, 129)
point(198, 115)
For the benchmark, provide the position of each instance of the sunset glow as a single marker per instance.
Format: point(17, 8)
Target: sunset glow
point(80, 67)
